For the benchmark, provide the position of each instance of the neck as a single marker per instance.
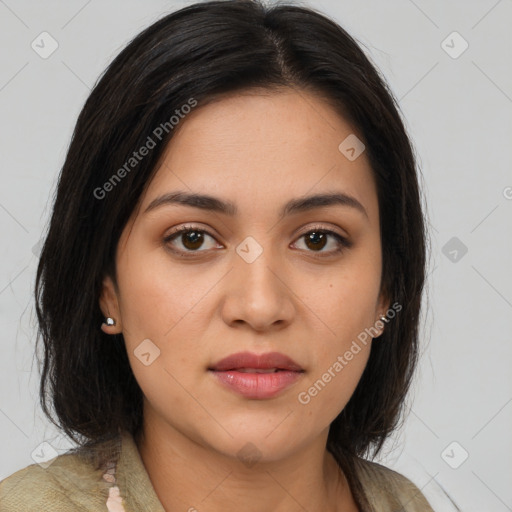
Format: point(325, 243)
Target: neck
point(188, 475)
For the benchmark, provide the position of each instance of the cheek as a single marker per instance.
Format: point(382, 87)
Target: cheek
point(343, 300)
point(162, 312)
point(330, 386)
point(345, 303)
point(156, 297)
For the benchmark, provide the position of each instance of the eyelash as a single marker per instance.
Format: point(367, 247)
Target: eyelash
point(343, 242)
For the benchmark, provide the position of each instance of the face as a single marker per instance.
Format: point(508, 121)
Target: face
point(270, 272)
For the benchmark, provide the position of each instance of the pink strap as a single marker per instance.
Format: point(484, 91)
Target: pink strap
point(114, 501)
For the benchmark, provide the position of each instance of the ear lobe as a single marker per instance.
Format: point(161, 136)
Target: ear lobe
point(109, 306)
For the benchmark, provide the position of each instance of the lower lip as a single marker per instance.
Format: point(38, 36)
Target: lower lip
point(257, 385)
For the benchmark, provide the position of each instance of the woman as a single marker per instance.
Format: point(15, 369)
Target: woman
point(229, 291)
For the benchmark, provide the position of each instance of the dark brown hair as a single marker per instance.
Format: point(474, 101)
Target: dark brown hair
point(201, 51)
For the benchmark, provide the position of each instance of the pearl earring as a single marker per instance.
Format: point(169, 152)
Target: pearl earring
point(110, 321)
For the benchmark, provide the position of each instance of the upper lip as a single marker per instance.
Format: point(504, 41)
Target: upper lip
point(266, 361)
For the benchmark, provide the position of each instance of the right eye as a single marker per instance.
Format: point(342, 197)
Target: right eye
point(190, 238)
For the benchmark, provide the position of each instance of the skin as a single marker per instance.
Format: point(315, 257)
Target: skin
point(258, 149)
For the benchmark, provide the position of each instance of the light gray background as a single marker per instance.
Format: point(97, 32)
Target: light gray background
point(459, 114)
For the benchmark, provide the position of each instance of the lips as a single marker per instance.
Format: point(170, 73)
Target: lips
point(256, 363)
point(257, 377)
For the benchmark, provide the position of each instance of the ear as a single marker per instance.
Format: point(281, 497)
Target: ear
point(383, 305)
point(109, 306)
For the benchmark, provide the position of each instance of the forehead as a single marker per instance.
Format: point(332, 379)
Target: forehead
point(261, 148)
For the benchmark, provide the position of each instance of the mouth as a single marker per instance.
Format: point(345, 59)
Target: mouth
point(257, 377)
point(248, 362)
point(256, 370)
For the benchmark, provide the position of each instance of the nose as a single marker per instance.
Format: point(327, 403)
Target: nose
point(258, 295)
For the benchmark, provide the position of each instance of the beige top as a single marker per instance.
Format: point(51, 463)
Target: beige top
point(110, 476)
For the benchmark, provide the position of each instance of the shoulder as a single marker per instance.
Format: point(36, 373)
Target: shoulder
point(388, 490)
point(71, 481)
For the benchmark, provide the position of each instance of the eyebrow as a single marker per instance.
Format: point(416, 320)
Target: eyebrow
point(214, 204)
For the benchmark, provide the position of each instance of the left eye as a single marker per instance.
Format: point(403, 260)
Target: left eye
point(318, 239)
point(192, 239)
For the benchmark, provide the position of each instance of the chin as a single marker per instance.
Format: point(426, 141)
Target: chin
point(255, 444)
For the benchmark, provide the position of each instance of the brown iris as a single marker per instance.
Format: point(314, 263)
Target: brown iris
point(192, 239)
point(317, 239)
